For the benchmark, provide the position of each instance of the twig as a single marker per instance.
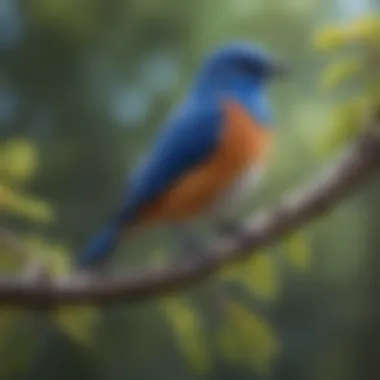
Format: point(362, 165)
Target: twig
point(347, 174)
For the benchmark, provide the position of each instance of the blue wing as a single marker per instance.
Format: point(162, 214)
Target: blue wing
point(188, 139)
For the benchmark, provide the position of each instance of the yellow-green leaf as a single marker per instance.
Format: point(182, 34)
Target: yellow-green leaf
point(261, 276)
point(59, 260)
point(187, 325)
point(338, 72)
point(18, 159)
point(347, 120)
point(24, 206)
point(365, 30)
point(257, 274)
point(298, 251)
point(248, 340)
point(329, 38)
point(54, 256)
point(79, 323)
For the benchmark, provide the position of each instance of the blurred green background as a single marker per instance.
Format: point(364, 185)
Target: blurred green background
point(84, 85)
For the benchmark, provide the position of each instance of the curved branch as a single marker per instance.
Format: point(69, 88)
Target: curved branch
point(358, 164)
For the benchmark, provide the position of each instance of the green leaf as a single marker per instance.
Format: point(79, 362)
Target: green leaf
point(338, 72)
point(54, 256)
point(365, 31)
point(347, 121)
point(258, 275)
point(188, 327)
point(261, 276)
point(329, 38)
point(248, 340)
point(298, 251)
point(79, 323)
point(18, 159)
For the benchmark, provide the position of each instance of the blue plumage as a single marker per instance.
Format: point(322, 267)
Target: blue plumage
point(186, 141)
point(94, 253)
point(190, 136)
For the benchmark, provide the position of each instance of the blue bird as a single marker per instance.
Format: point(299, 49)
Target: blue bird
point(208, 155)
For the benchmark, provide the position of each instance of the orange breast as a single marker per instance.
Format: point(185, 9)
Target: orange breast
point(243, 142)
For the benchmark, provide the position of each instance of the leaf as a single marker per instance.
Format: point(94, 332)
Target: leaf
point(58, 259)
point(18, 159)
point(365, 31)
point(338, 72)
point(298, 252)
point(24, 206)
point(247, 339)
point(329, 38)
point(55, 256)
point(79, 323)
point(347, 120)
point(187, 324)
point(257, 274)
point(261, 276)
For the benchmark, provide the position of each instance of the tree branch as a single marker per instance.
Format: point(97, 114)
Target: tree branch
point(359, 163)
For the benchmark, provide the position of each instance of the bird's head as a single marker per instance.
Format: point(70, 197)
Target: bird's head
point(238, 67)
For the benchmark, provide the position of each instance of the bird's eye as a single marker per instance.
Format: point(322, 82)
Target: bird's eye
point(248, 66)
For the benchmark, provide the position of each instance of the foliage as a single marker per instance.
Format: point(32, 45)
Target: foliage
point(298, 251)
point(18, 165)
point(18, 159)
point(359, 41)
point(78, 322)
point(247, 339)
point(81, 60)
point(239, 328)
point(258, 275)
point(188, 327)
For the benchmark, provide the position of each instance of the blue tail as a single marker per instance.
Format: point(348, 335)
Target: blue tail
point(99, 248)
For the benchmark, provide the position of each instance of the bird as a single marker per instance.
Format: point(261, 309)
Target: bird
point(206, 158)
